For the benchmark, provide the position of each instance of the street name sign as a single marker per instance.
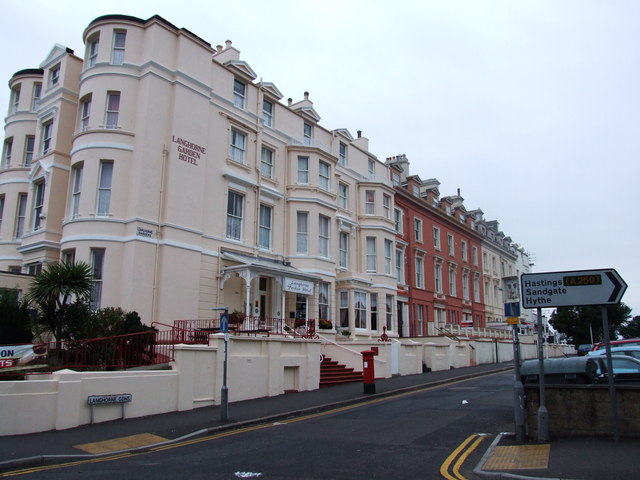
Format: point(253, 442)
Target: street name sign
point(573, 288)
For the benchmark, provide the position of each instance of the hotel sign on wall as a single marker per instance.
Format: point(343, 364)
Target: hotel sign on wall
point(188, 152)
point(298, 286)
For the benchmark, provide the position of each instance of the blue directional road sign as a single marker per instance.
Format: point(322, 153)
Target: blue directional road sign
point(573, 288)
point(224, 322)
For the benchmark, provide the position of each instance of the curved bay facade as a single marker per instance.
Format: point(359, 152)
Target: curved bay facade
point(188, 184)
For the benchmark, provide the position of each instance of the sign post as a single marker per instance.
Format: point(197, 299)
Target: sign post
point(224, 391)
point(512, 311)
point(543, 413)
point(568, 289)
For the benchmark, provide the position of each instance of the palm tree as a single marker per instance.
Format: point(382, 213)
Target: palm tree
point(54, 288)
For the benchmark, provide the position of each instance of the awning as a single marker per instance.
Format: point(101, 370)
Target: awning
point(249, 267)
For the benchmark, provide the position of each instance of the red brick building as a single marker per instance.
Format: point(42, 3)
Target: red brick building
point(438, 257)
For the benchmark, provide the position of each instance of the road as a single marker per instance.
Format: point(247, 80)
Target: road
point(408, 436)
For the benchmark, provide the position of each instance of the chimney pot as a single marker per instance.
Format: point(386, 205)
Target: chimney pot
point(306, 95)
point(289, 101)
point(359, 133)
point(219, 48)
point(228, 43)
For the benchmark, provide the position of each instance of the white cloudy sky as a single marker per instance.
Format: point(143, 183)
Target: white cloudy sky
point(531, 108)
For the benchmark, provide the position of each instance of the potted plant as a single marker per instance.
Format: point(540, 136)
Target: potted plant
point(325, 324)
point(235, 317)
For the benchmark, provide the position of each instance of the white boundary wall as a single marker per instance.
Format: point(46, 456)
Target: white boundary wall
point(257, 367)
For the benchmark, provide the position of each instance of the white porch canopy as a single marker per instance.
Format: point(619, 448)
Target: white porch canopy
point(249, 267)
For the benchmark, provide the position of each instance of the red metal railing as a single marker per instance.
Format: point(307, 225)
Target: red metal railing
point(246, 324)
point(151, 347)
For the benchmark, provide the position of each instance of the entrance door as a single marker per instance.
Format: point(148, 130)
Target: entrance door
point(263, 305)
point(301, 307)
point(263, 302)
point(400, 319)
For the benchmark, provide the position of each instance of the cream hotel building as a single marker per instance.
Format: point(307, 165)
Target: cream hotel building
point(189, 185)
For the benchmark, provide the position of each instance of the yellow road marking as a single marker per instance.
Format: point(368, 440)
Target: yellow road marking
point(463, 457)
point(62, 465)
point(444, 468)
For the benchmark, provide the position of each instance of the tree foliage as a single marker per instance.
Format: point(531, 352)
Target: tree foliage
point(15, 320)
point(52, 292)
point(630, 329)
point(578, 323)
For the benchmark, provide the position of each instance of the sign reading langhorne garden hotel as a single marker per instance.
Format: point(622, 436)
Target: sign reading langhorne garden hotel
point(188, 151)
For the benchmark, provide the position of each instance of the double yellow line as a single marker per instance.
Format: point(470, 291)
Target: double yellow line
point(459, 455)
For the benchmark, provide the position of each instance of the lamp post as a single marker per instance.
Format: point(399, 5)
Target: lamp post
point(224, 391)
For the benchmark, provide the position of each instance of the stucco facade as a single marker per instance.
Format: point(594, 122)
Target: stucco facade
point(188, 184)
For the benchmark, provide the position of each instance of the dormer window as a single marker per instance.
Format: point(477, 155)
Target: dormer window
point(239, 92)
point(308, 133)
point(342, 156)
point(372, 168)
point(267, 113)
point(54, 76)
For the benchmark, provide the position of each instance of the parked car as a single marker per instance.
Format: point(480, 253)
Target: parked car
point(626, 369)
point(632, 351)
point(627, 342)
point(584, 349)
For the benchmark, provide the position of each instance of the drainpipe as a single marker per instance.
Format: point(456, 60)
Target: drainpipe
point(256, 223)
point(154, 297)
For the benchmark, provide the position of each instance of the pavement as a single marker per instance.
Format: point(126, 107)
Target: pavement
point(576, 458)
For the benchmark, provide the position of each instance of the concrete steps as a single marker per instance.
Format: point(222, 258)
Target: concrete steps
point(333, 373)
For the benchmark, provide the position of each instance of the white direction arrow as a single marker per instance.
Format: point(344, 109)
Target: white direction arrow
point(575, 288)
